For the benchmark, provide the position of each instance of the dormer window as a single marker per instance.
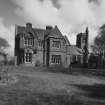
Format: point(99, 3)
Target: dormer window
point(56, 44)
point(28, 42)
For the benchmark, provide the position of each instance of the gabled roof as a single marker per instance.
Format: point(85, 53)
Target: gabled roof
point(73, 50)
point(20, 29)
point(67, 40)
point(55, 32)
point(39, 32)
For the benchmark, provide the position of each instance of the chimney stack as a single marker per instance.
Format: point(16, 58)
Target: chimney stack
point(49, 28)
point(28, 25)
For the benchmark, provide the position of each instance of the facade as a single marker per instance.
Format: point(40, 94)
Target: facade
point(82, 43)
point(41, 46)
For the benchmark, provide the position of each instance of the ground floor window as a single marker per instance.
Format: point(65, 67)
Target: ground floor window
point(56, 59)
point(28, 57)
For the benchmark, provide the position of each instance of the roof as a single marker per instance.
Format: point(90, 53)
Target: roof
point(36, 31)
point(67, 41)
point(40, 33)
point(73, 50)
point(55, 32)
point(20, 29)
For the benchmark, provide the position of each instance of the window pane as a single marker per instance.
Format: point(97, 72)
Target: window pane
point(28, 41)
point(28, 57)
point(56, 59)
point(56, 44)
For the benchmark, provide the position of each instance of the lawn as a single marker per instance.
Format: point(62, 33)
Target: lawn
point(37, 87)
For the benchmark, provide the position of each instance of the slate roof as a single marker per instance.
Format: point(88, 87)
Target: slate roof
point(19, 29)
point(55, 32)
point(67, 40)
point(73, 50)
point(39, 32)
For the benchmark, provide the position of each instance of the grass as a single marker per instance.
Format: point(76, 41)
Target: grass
point(94, 91)
point(35, 87)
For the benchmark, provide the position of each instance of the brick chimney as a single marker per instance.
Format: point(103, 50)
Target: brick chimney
point(28, 25)
point(49, 28)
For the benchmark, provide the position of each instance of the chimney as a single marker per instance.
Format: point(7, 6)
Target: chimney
point(28, 25)
point(49, 28)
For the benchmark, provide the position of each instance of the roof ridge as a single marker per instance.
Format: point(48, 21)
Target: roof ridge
point(39, 29)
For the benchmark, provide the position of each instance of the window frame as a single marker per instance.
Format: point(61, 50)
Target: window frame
point(56, 59)
point(40, 43)
point(56, 44)
point(28, 57)
point(28, 41)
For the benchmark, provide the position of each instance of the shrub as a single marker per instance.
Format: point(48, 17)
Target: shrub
point(37, 63)
point(58, 68)
point(11, 62)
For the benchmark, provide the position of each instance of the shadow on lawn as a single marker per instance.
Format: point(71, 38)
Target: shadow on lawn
point(96, 91)
point(27, 97)
point(42, 99)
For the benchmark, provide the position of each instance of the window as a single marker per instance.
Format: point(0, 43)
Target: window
point(28, 41)
point(28, 57)
point(83, 39)
point(56, 44)
point(56, 59)
point(64, 45)
point(40, 43)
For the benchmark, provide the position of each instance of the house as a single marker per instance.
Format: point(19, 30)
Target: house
point(40, 46)
point(35, 46)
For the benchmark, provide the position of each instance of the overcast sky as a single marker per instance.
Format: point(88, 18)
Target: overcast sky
point(71, 16)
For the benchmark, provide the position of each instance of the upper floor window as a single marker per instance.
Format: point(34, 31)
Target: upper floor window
point(56, 44)
point(28, 42)
point(40, 43)
point(64, 44)
point(83, 39)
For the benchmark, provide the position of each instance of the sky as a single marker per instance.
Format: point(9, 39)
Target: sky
point(71, 16)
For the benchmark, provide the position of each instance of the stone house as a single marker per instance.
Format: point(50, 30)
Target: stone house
point(35, 46)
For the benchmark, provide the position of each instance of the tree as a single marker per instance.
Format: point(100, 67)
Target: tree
point(3, 43)
point(99, 44)
point(99, 41)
